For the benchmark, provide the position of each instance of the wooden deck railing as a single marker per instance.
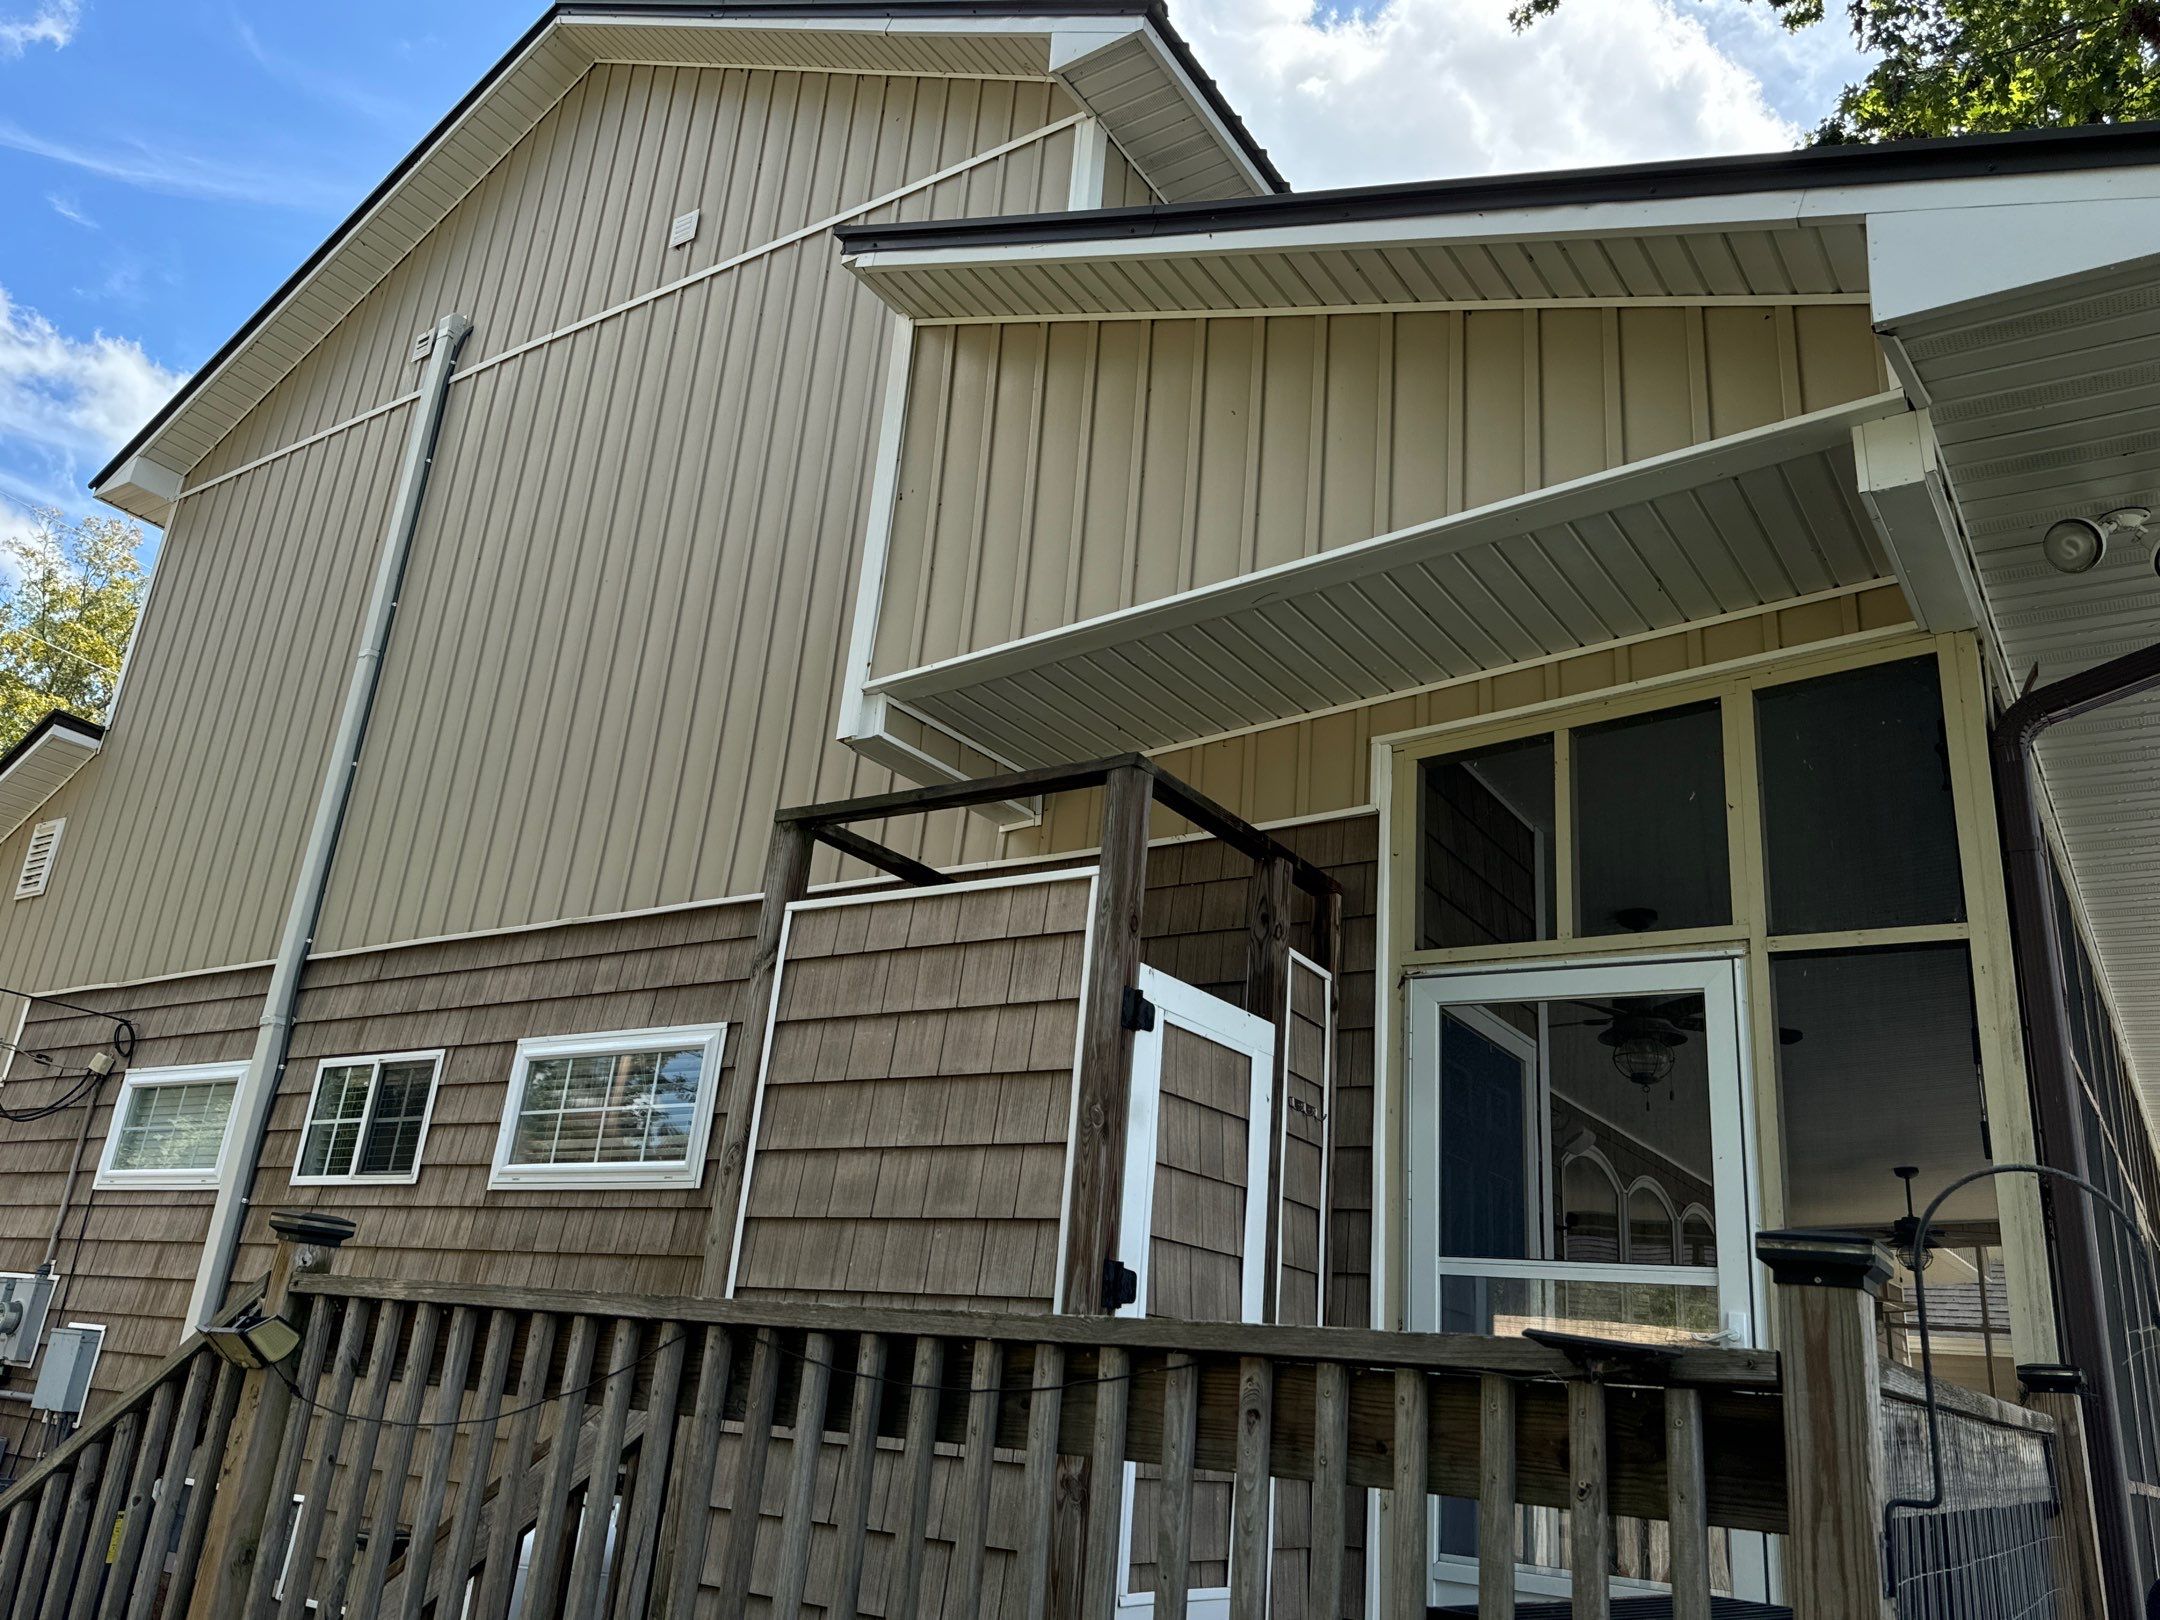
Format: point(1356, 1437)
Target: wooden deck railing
point(487, 1452)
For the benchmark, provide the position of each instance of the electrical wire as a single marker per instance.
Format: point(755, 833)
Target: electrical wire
point(89, 1080)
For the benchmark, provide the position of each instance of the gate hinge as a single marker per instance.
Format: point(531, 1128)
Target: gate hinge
point(1298, 1105)
point(1120, 1284)
point(1138, 1012)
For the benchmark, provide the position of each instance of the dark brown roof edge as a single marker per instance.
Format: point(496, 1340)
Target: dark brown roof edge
point(1956, 157)
point(1152, 10)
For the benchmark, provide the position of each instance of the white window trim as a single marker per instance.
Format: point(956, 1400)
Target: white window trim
point(112, 1180)
point(355, 1178)
point(503, 1174)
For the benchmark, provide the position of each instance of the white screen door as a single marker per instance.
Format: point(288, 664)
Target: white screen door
point(1578, 1161)
point(1193, 1229)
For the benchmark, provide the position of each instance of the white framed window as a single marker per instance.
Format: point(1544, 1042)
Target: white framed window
point(367, 1119)
point(625, 1108)
point(169, 1127)
point(38, 857)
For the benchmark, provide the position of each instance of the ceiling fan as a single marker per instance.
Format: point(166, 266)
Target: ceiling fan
point(1645, 1034)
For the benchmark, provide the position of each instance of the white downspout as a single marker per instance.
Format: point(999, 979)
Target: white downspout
point(258, 1087)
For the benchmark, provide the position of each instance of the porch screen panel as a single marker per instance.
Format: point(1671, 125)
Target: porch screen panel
point(1196, 1257)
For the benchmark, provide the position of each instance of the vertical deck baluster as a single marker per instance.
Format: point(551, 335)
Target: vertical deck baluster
point(67, 1554)
point(455, 1571)
point(903, 1595)
point(656, 1454)
point(135, 1525)
point(52, 1500)
point(1106, 1486)
point(112, 1493)
point(404, 1431)
point(749, 1469)
point(679, 1565)
point(1250, 1538)
point(584, 1600)
point(851, 1512)
point(323, 1334)
point(499, 1574)
point(1589, 1516)
point(806, 1442)
point(1496, 1498)
point(985, 1378)
point(172, 1484)
point(435, 1480)
point(15, 1542)
point(299, 1566)
point(1046, 1409)
point(1174, 1492)
point(1330, 1490)
point(203, 1469)
point(544, 1575)
point(1409, 1540)
point(359, 1465)
point(1687, 1498)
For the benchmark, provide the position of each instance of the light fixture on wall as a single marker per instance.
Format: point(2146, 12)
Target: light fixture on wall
point(2076, 545)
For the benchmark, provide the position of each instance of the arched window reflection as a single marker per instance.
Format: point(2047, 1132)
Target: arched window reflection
point(1698, 1237)
point(1590, 1209)
point(1651, 1225)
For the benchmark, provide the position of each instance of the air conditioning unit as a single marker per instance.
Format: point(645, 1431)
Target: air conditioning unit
point(23, 1300)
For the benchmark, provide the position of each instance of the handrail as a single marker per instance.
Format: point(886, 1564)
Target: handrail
point(1699, 1367)
point(135, 1396)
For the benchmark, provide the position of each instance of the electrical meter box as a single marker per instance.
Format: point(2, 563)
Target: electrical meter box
point(22, 1315)
point(63, 1383)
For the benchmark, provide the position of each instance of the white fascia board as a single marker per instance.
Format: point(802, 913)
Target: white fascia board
point(1901, 484)
point(72, 749)
point(1936, 261)
point(1572, 501)
point(142, 487)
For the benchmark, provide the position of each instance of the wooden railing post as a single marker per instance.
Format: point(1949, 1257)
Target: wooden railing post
point(1835, 1476)
point(241, 1512)
point(2059, 1392)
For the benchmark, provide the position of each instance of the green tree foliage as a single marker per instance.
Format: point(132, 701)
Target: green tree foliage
point(65, 617)
point(1962, 67)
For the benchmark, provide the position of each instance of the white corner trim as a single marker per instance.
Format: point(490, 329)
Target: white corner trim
point(877, 536)
point(1901, 484)
point(506, 1176)
point(109, 1179)
point(1090, 165)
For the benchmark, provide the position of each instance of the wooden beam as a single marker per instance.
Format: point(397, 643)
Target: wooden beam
point(872, 853)
point(1267, 990)
point(787, 879)
point(1104, 1085)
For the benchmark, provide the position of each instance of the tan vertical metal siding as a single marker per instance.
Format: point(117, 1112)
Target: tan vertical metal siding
point(184, 832)
point(1057, 470)
point(619, 644)
point(575, 219)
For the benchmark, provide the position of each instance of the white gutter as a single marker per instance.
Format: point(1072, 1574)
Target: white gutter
point(258, 1087)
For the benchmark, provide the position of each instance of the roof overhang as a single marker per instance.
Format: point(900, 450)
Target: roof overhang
point(1733, 525)
point(39, 765)
point(1796, 226)
point(1120, 58)
point(2045, 400)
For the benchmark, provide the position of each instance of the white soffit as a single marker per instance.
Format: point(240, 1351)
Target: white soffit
point(1736, 524)
point(1375, 265)
point(2046, 404)
point(41, 764)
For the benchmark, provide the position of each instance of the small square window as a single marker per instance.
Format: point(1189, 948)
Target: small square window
point(632, 1108)
point(169, 1127)
point(368, 1118)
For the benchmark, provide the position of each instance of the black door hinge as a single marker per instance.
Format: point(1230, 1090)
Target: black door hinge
point(1138, 1012)
point(1120, 1284)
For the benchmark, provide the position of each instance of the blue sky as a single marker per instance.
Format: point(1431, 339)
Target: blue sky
point(164, 164)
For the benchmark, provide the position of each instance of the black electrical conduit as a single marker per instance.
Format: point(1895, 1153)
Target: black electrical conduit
point(2042, 982)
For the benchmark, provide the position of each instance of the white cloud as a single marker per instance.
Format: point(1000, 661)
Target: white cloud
point(70, 210)
point(50, 22)
point(67, 403)
point(1421, 89)
point(163, 167)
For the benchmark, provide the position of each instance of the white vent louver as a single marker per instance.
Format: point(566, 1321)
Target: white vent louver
point(38, 859)
point(684, 230)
